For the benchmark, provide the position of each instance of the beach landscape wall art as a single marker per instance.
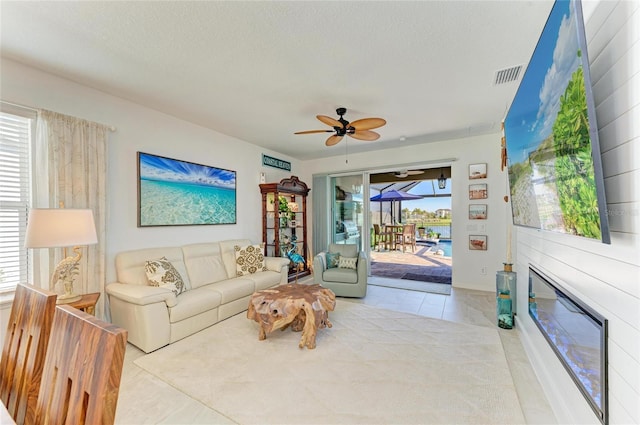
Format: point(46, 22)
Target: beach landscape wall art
point(554, 162)
point(172, 192)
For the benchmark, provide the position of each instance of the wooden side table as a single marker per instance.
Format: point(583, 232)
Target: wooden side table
point(87, 303)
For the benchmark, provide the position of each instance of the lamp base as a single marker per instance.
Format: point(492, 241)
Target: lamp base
point(66, 299)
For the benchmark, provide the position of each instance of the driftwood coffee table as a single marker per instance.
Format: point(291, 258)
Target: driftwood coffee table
point(305, 307)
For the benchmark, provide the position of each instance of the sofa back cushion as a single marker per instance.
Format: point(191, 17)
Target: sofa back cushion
point(345, 250)
point(228, 253)
point(130, 265)
point(204, 263)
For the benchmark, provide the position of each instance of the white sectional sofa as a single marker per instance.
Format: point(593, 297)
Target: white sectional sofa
point(156, 316)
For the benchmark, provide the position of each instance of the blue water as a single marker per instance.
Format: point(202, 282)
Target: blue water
point(173, 203)
point(445, 246)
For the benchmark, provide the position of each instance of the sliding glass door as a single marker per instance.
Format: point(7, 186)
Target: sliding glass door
point(349, 211)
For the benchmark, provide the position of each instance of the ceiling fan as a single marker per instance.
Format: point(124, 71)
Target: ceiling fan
point(359, 129)
point(405, 173)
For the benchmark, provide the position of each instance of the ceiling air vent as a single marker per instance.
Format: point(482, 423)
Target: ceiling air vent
point(507, 75)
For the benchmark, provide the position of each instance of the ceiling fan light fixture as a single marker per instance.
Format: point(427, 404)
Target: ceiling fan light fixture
point(358, 129)
point(405, 173)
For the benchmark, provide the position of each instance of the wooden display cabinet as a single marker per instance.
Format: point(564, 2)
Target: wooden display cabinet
point(284, 222)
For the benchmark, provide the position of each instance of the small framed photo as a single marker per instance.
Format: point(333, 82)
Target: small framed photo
point(477, 171)
point(478, 242)
point(477, 211)
point(478, 191)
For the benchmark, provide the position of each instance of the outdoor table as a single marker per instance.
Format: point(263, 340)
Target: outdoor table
point(394, 230)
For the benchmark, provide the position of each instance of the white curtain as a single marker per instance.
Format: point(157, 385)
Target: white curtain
point(70, 168)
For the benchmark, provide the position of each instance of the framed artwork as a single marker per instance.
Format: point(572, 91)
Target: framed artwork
point(172, 192)
point(477, 171)
point(478, 191)
point(478, 242)
point(477, 211)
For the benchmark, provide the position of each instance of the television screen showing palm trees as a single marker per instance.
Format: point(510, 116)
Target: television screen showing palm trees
point(175, 193)
point(555, 172)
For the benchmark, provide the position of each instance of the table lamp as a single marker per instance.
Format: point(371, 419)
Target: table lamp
point(61, 228)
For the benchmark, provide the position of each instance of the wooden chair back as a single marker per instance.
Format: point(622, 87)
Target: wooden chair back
point(409, 237)
point(82, 371)
point(24, 350)
point(380, 236)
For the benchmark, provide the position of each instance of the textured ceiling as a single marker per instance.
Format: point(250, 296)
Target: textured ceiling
point(259, 71)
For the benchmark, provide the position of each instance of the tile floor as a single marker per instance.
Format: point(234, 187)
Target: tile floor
point(144, 399)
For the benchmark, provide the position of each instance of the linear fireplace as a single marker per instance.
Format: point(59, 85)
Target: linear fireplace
point(577, 334)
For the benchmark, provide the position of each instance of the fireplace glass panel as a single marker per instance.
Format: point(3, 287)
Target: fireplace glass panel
point(577, 335)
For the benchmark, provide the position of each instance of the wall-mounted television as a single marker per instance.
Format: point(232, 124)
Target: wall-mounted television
point(554, 163)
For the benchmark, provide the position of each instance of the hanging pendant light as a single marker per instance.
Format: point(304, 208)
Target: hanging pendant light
point(442, 181)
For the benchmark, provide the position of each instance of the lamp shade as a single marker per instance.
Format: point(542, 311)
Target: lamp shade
point(60, 227)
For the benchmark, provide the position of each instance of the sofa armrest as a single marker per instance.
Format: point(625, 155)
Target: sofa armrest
point(320, 262)
point(141, 294)
point(362, 267)
point(277, 264)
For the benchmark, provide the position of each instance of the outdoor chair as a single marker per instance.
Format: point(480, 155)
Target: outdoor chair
point(408, 237)
point(24, 350)
point(381, 237)
point(343, 269)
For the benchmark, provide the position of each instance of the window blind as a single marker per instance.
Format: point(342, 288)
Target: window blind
point(15, 182)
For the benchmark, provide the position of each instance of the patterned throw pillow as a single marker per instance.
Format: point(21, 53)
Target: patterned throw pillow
point(348, 263)
point(333, 260)
point(249, 260)
point(161, 273)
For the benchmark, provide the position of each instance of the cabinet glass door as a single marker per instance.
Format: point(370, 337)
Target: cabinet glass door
point(348, 210)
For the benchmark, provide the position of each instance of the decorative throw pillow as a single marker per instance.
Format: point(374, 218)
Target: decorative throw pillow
point(333, 260)
point(161, 273)
point(249, 260)
point(348, 263)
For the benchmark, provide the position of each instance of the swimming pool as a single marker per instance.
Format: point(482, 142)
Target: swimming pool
point(444, 245)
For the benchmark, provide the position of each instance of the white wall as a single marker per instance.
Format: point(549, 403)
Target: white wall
point(142, 129)
point(480, 149)
point(606, 277)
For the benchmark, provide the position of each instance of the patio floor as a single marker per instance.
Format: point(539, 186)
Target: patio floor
point(422, 265)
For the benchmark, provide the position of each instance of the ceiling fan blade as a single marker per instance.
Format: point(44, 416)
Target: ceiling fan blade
point(367, 123)
point(365, 135)
point(333, 140)
point(329, 121)
point(313, 131)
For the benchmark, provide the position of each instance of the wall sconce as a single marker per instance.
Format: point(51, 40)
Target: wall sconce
point(442, 181)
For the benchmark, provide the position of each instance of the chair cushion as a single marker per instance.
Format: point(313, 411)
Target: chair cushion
point(249, 260)
point(264, 280)
point(348, 263)
point(232, 289)
point(194, 302)
point(347, 250)
point(333, 260)
point(204, 264)
point(340, 275)
point(161, 273)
